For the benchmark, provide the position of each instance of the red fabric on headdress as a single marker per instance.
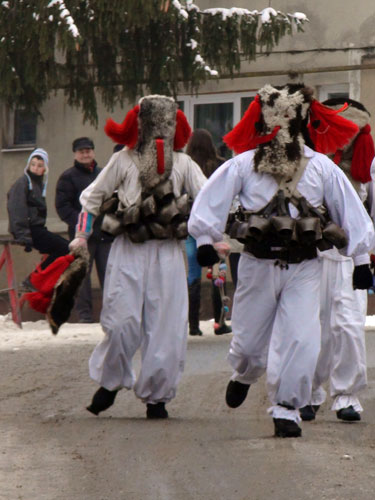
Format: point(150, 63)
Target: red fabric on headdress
point(183, 131)
point(44, 281)
point(363, 155)
point(244, 135)
point(127, 132)
point(333, 132)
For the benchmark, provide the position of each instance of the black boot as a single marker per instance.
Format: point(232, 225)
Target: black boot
point(307, 413)
point(236, 393)
point(102, 400)
point(348, 414)
point(156, 411)
point(194, 307)
point(286, 428)
point(222, 329)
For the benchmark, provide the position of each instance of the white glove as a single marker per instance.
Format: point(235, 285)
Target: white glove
point(78, 244)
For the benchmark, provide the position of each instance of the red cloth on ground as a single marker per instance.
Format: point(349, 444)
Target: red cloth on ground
point(44, 281)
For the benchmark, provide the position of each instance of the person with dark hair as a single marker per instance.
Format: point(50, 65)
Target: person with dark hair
point(293, 201)
point(202, 150)
point(68, 190)
point(27, 210)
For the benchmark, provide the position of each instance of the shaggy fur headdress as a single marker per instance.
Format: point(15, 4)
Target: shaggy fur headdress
point(276, 124)
point(155, 128)
point(355, 158)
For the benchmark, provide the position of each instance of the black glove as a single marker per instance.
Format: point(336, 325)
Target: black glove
point(362, 277)
point(207, 256)
point(27, 243)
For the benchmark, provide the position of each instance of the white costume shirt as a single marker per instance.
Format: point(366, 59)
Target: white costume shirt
point(121, 173)
point(321, 182)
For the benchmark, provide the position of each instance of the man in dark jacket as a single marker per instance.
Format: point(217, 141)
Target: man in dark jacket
point(68, 190)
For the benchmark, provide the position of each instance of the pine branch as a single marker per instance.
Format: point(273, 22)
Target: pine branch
point(120, 49)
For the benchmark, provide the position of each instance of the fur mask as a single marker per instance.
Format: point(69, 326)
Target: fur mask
point(154, 128)
point(284, 107)
point(157, 125)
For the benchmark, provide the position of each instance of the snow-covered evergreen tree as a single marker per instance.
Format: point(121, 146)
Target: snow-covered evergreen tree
point(123, 48)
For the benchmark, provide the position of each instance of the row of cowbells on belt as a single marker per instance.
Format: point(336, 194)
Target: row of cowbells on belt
point(160, 215)
point(313, 228)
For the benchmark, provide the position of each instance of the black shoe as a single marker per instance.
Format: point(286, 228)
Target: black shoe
point(102, 400)
point(196, 332)
point(316, 408)
point(348, 414)
point(236, 393)
point(156, 411)
point(223, 329)
point(286, 428)
point(307, 413)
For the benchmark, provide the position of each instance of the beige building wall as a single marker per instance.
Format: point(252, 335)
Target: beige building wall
point(336, 49)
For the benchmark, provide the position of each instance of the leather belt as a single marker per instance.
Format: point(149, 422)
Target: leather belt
point(290, 255)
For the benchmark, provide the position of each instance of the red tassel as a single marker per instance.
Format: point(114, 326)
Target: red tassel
point(125, 132)
point(183, 131)
point(160, 155)
point(363, 155)
point(244, 136)
point(333, 132)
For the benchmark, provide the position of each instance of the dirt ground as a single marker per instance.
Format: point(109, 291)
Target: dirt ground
point(51, 448)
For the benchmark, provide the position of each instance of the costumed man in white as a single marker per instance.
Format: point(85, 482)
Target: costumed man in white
point(342, 359)
point(145, 303)
point(279, 273)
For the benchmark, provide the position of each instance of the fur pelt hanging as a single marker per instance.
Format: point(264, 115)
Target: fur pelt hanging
point(56, 287)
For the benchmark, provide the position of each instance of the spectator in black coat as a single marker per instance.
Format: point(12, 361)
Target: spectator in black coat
point(68, 190)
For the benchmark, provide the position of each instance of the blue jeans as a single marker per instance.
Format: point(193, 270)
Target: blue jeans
point(194, 269)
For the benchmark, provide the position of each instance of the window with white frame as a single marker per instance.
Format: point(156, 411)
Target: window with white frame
point(19, 129)
point(217, 113)
point(333, 91)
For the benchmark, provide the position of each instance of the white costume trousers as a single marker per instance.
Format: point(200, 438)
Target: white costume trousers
point(343, 352)
point(281, 307)
point(145, 306)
